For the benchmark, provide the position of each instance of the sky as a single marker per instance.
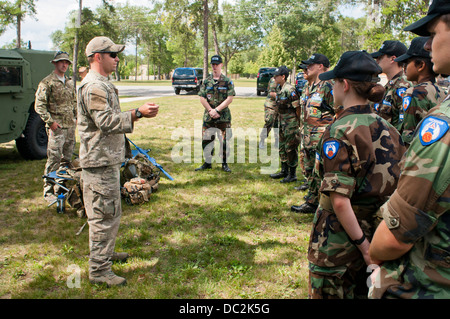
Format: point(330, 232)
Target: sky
point(52, 15)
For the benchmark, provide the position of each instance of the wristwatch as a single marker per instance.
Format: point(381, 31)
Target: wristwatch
point(138, 113)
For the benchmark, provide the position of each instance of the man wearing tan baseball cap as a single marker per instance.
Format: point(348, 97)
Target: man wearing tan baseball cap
point(102, 127)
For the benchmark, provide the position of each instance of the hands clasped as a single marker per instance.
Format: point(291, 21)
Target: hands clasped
point(214, 114)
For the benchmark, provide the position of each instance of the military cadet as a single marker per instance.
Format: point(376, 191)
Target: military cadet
point(287, 101)
point(102, 126)
point(412, 241)
point(56, 104)
point(317, 114)
point(216, 94)
point(421, 98)
point(270, 114)
point(390, 105)
point(358, 160)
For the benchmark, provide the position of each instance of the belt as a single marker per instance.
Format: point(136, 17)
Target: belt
point(286, 110)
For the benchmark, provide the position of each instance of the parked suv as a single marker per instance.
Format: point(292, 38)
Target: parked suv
point(262, 80)
point(188, 79)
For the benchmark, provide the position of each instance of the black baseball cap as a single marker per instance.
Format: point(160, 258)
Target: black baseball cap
point(356, 66)
point(390, 47)
point(317, 58)
point(216, 59)
point(282, 70)
point(416, 49)
point(436, 9)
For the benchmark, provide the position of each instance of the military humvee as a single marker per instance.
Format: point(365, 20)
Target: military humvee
point(21, 71)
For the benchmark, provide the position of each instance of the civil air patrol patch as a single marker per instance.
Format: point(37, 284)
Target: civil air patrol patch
point(330, 149)
point(293, 94)
point(406, 102)
point(208, 96)
point(376, 106)
point(432, 129)
point(401, 91)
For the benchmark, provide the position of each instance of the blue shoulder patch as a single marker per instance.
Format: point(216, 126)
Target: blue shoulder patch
point(330, 149)
point(431, 130)
point(406, 102)
point(401, 91)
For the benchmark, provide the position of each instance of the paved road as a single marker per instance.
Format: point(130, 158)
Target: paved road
point(138, 92)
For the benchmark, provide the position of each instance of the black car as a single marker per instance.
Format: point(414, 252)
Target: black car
point(300, 82)
point(188, 79)
point(262, 81)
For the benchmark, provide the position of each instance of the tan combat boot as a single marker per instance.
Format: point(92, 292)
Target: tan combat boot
point(119, 256)
point(109, 278)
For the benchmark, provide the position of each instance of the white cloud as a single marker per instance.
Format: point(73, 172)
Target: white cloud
point(51, 16)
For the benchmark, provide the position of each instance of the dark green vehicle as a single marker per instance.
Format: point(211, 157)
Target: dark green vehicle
point(21, 70)
point(262, 80)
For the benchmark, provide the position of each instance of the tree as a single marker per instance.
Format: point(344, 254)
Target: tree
point(13, 13)
point(239, 32)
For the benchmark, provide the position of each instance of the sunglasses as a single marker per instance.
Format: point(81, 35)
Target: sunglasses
point(112, 54)
point(61, 52)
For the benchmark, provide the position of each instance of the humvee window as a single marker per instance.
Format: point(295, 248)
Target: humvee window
point(10, 76)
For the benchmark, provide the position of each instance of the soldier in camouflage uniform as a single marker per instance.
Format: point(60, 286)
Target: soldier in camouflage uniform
point(389, 107)
point(317, 114)
point(358, 160)
point(102, 127)
point(421, 98)
point(56, 104)
point(270, 113)
point(216, 94)
point(287, 102)
point(412, 241)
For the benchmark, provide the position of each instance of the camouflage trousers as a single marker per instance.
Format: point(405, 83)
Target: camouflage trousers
point(270, 121)
point(309, 150)
point(348, 285)
point(59, 154)
point(289, 138)
point(337, 267)
point(101, 195)
point(209, 132)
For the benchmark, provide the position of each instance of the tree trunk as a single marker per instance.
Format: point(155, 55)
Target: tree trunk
point(216, 42)
point(75, 46)
point(205, 38)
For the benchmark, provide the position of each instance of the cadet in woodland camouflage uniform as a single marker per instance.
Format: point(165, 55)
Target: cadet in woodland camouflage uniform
point(287, 104)
point(317, 114)
point(412, 241)
point(389, 107)
point(56, 104)
point(216, 94)
point(102, 126)
point(419, 99)
point(358, 159)
point(270, 113)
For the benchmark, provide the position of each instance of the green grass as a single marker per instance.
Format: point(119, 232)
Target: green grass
point(206, 235)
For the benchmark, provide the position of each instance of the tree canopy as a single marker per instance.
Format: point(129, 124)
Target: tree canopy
point(248, 34)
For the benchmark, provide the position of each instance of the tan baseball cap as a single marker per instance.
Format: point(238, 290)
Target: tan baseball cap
point(61, 56)
point(103, 45)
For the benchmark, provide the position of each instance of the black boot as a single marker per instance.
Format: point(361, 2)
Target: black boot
point(292, 177)
point(204, 166)
point(282, 173)
point(225, 167)
point(302, 187)
point(305, 208)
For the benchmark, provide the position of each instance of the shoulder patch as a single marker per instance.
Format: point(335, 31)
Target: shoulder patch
point(431, 130)
point(406, 102)
point(401, 91)
point(97, 99)
point(330, 149)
